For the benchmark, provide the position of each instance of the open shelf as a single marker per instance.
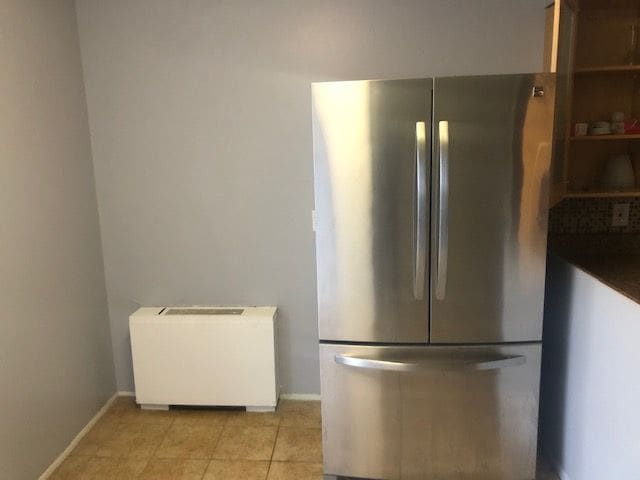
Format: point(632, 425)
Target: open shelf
point(609, 70)
point(601, 194)
point(632, 136)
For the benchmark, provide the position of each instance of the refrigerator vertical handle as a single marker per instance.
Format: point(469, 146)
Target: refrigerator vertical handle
point(443, 210)
point(420, 211)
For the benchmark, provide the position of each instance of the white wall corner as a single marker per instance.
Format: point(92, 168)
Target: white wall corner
point(67, 451)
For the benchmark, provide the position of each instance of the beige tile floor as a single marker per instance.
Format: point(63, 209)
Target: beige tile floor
point(129, 443)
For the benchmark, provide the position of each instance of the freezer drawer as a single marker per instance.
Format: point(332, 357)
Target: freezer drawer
point(441, 413)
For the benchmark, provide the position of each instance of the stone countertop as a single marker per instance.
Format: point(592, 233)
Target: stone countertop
point(619, 271)
point(612, 259)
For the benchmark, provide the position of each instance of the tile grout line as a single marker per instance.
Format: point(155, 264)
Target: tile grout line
point(280, 418)
point(127, 418)
point(213, 452)
point(119, 422)
point(273, 450)
point(155, 450)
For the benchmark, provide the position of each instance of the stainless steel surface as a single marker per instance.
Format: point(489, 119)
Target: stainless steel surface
point(427, 411)
point(428, 361)
point(421, 211)
point(442, 233)
point(364, 140)
point(499, 147)
point(445, 425)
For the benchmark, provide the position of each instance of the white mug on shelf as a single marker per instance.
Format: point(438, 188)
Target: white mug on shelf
point(580, 129)
point(617, 117)
point(600, 128)
point(617, 123)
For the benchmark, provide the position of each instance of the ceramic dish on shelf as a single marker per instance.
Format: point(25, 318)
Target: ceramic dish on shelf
point(600, 128)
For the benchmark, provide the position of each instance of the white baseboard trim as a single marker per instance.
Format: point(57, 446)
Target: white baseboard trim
point(61, 458)
point(309, 397)
point(313, 397)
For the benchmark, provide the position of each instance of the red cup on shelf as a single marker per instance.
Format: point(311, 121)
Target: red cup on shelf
point(632, 126)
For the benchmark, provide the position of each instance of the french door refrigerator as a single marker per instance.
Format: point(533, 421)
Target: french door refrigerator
point(431, 214)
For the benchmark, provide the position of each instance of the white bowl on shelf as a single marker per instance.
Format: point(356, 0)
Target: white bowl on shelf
point(600, 128)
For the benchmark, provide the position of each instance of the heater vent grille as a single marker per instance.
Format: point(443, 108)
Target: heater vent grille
point(204, 311)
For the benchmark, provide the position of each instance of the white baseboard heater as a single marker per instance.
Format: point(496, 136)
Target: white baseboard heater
point(208, 356)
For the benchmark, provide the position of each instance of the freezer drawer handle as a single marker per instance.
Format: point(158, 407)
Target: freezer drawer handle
point(443, 210)
point(420, 238)
point(426, 365)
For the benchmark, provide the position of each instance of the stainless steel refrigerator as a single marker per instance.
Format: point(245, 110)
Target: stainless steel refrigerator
point(431, 226)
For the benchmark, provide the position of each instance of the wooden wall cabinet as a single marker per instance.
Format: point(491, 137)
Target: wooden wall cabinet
point(559, 49)
point(593, 46)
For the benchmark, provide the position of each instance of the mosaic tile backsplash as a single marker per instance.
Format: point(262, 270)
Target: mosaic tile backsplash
point(592, 215)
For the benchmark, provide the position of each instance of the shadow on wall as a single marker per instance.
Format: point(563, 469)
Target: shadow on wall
point(590, 393)
point(555, 347)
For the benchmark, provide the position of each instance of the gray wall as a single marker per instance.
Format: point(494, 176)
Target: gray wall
point(56, 366)
point(590, 393)
point(200, 122)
